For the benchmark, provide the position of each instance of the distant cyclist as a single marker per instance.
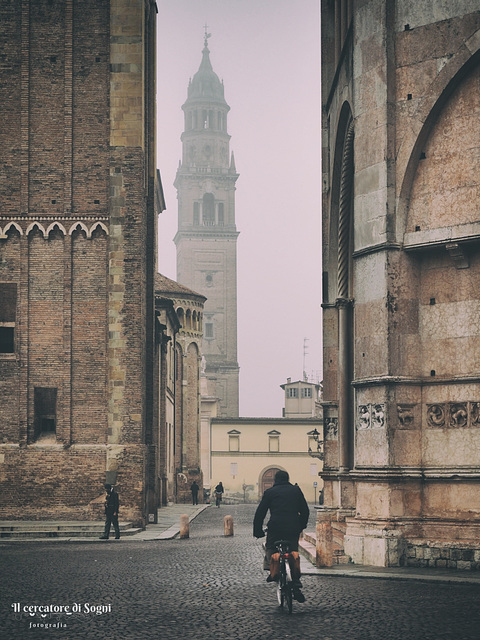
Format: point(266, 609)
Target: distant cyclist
point(288, 517)
point(219, 491)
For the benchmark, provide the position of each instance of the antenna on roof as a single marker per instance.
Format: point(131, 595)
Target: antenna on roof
point(305, 352)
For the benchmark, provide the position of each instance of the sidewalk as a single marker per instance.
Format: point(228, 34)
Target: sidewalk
point(393, 573)
point(168, 525)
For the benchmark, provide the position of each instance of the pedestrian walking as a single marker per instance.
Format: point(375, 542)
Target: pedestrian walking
point(194, 489)
point(112, 504)
point(219, 491)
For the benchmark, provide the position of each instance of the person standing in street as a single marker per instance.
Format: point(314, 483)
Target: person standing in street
point(112, 504)
point(194, 489)
point(289, 514)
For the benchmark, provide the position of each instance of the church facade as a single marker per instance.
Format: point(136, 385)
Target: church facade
point(77, 257)
point(401, 260)
point(206, 239)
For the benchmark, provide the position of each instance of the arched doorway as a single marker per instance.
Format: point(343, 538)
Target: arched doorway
point(268, 479)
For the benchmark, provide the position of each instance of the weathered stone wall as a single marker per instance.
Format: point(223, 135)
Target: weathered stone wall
point(400, 437)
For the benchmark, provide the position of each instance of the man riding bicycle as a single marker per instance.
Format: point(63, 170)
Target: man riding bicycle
point(288, 517)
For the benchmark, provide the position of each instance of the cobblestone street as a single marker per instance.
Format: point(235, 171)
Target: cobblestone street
point(210, 587)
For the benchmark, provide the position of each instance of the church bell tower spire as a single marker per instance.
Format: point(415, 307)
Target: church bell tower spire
point(206, 239)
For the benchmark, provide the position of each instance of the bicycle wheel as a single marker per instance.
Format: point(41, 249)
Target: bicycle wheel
point(281, 584)
point(279, 594)
point(289, 596)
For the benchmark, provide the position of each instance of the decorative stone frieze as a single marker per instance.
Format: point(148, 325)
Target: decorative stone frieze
point(371, 416)
point(453, 415)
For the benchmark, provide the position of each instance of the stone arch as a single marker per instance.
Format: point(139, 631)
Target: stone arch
point(55, 226)
point(423, 120)
point(36, 227)
point(96, 227)
point(78, 226)
point(345, 123)
point(181, 316)
point(443, 190)
point(10, 226)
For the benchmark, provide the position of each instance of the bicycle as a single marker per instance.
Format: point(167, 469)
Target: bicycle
point(285, 582)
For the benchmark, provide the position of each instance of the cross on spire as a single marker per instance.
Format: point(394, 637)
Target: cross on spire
point(207, 35)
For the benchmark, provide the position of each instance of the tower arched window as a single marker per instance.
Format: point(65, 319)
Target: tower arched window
point(208, 209)
point(221, 214)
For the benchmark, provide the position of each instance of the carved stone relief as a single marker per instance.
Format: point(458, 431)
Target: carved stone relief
point(370, 416)
point(331, 429)
point(405, 414)
point(453, 415)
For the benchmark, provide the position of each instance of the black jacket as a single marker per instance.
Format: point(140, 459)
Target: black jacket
point(288, 510)
point(112, 502)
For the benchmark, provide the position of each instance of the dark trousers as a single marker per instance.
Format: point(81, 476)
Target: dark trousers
point(195, 498)
point(110, 519)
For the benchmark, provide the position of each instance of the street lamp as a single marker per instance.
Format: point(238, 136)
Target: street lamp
point(315, 436)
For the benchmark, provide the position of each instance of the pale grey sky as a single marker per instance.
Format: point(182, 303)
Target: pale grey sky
point(267, 53)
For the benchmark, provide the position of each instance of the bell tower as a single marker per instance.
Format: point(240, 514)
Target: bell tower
point(206, 239)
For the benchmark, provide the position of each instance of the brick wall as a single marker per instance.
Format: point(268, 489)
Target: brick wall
point(72, 84)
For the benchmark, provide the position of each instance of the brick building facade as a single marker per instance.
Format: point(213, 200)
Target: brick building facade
point(77, 255)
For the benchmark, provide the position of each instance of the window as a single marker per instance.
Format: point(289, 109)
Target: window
point(273, 443)
point(45, 408)
point(221, 214)
point(208, 210)
point(306, 392)
point(209, 330)
point(8, 311)
point(234, 443)
point(292, 393)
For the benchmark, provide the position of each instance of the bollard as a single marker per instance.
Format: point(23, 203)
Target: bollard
point(184, 526)
point(324, 546)
point(228, 525)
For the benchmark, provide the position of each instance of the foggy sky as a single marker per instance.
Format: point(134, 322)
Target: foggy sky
point(267, 54)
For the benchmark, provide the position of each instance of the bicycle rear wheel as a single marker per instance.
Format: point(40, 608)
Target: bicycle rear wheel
point(280, 597)
point(289, 596)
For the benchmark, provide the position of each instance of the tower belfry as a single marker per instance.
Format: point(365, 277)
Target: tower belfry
point(206, 239)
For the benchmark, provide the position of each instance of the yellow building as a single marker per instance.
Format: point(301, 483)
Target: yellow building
point(246, 453)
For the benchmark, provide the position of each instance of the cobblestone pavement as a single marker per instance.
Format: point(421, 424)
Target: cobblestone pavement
point(210, 587)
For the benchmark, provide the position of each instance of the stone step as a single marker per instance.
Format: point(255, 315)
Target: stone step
point(310, 536)
point(308, 550)
point(44, 529)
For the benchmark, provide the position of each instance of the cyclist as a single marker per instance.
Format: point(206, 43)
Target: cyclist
point(219, 491)
point(289, 514)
